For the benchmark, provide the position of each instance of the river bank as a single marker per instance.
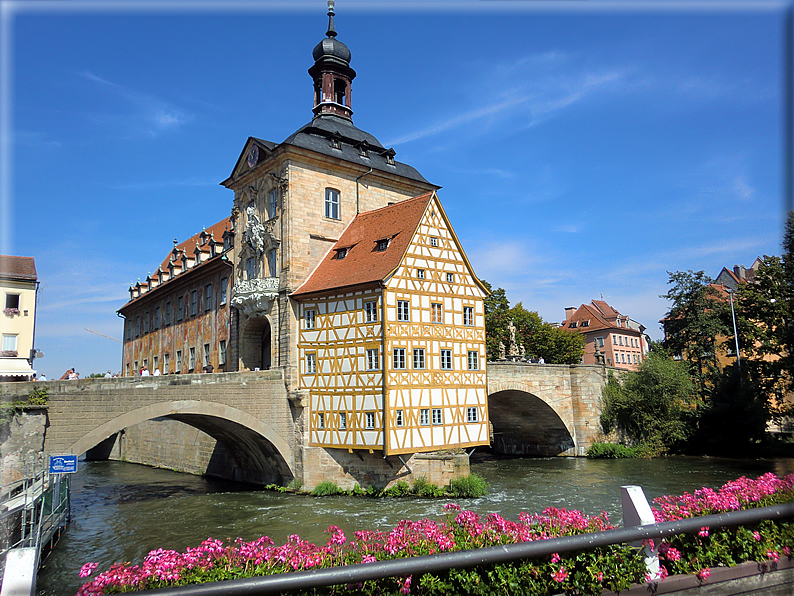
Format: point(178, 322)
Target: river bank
point(122, 511)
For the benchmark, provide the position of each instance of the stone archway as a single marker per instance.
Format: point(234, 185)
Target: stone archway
point(256, 345)
point(524, 424)
point(263, 455)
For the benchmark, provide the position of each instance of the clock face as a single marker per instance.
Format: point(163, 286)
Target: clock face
point(253, 156)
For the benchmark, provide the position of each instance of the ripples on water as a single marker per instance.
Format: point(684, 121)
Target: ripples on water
point(122, 511)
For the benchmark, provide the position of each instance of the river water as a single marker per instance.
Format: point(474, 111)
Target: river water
point(121, 511)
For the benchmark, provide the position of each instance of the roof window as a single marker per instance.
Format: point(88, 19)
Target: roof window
point(390, 157)
point(341, 253)
point(573, 325)
point(382, 244)
point(335, 141)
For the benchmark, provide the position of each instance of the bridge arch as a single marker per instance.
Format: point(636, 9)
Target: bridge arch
point(526, 424)
point(257, 447)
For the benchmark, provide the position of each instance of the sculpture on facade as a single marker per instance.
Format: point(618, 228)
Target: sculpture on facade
point(254, 230)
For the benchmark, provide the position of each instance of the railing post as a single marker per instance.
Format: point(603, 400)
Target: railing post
point(637, 512)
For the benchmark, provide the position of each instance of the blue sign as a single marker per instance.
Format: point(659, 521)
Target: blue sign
point(63, 464)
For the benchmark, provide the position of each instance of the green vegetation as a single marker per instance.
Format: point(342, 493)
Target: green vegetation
point(540, 339)
point(461, 488)
point(36, 397)
point(326, 489)
point(467, 487)
point(612, 451)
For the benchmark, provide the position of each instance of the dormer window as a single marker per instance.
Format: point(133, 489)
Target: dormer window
point(585, 323)
point(382, 245)
point(573, 325)
point(363, 149)
point(341, 253)
point(390, 157)
point(335, 141)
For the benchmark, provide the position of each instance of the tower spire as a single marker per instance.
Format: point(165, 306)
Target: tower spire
point(331, 31)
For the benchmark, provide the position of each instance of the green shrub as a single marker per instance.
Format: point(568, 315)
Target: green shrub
point(470, 486)
point(326, 489)
point(295, 484)
point(400, 489)
point(423, 488)
point(612, 451)
point(39, 396)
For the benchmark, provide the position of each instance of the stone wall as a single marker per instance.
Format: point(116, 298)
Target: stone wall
point(21, 441)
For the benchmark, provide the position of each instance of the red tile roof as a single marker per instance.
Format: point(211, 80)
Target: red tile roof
point(597, 313)
point(18, 268)
point(363, 263)
point(189, 245)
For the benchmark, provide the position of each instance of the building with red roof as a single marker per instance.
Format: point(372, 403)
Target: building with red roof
point(19, 285)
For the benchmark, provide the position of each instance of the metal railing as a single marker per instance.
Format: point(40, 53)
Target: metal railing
point(352, 574)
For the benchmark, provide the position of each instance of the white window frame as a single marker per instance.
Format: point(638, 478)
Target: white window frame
point(398, 359)
point(371, 311)
point(332, 204)
point(342, 420)
point(320, 420)
point(436, 312)
point(192, 362)
point(424, 417)
point(468, 316)
point(10, 341)
point(438, 416)
point(398, 418)
point(309, 317)
point(369, 418)
point(420, 274)
point(403, 311)
point(222, 352)
point(446, 359)
point(472, 415)
point(178, 361)
point(166, 363)
point(433, 241)
point(206, 354)
point(224, 284)
point(419, 359)
point(311, 363)
point(473, 359)
point(450, 278)
point(373, 359)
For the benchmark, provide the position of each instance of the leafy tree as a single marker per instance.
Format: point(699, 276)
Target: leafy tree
point(496, 318)
point(695, 323)
point(764, 310)
point(654, 407)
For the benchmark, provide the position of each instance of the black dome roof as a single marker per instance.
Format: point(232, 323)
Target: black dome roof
point(332, 48)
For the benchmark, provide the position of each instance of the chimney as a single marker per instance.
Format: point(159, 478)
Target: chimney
point(569, 310)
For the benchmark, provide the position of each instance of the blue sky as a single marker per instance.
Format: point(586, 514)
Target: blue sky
point(584, 148)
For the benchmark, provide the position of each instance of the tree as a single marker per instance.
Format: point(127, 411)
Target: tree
point(496, 317)
point(695, 323)
point(655, 406)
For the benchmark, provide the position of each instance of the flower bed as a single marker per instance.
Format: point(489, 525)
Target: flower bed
point(613, 567)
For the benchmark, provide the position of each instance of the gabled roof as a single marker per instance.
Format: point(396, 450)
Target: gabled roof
point(601, 316)
point(363, 263)
point(605, 309)
point(18, 268)
point(189, 246)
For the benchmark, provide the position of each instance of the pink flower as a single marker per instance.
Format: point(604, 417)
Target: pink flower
point(560, 576)
point(452, 506)
point(673, 554)
point(704, 532)
point(757, 536)
point(368, 559)
point(555, 558)
point(787, 551)
point(704, 574)
point(87, 569)
point(600, 576)
point(406, 589)
point(773, 554)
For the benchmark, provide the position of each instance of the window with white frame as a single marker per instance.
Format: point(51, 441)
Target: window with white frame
point(446, 359)
point(309, 317)
point(450, 277)
point(438, 416)
point(10, 342)
point(311, 363)
point(424, 417)
point(433, 241)
point(371, 311)
point(342, 420)
point(331, 203)
point(224, 284)
point(369, 420)
point(471, 415)
point(373, 359)
point(398, 418)
point(474, 360)
point(206, 354)
point(403, 310)
point(272, 202)
point(208, 297)
point(599, 342)
point(166, 363)
point(398, 360)
point(192, 363)
point(222, 352)
point(320, 420)
point(419, 358)
point(420, 273)
point(468, 315)
point(436, 312)
point(178, 361)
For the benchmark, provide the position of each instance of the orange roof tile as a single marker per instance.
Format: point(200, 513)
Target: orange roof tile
point(19, 268)
point(363, 263)
point(190, 244)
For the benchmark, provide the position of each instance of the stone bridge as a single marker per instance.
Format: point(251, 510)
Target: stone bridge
point(242, 425)
point(544, 409)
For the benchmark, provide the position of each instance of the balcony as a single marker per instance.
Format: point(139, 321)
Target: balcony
point(253, 297)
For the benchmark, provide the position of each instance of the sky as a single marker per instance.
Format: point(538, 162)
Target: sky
point(584, 149)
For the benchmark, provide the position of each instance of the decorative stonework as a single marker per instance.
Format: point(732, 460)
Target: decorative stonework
point(254, 296)
point(259, 236)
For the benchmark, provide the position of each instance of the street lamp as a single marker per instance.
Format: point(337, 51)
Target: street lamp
point(735, 336)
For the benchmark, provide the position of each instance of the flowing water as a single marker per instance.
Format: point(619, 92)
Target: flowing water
point(122, 511)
